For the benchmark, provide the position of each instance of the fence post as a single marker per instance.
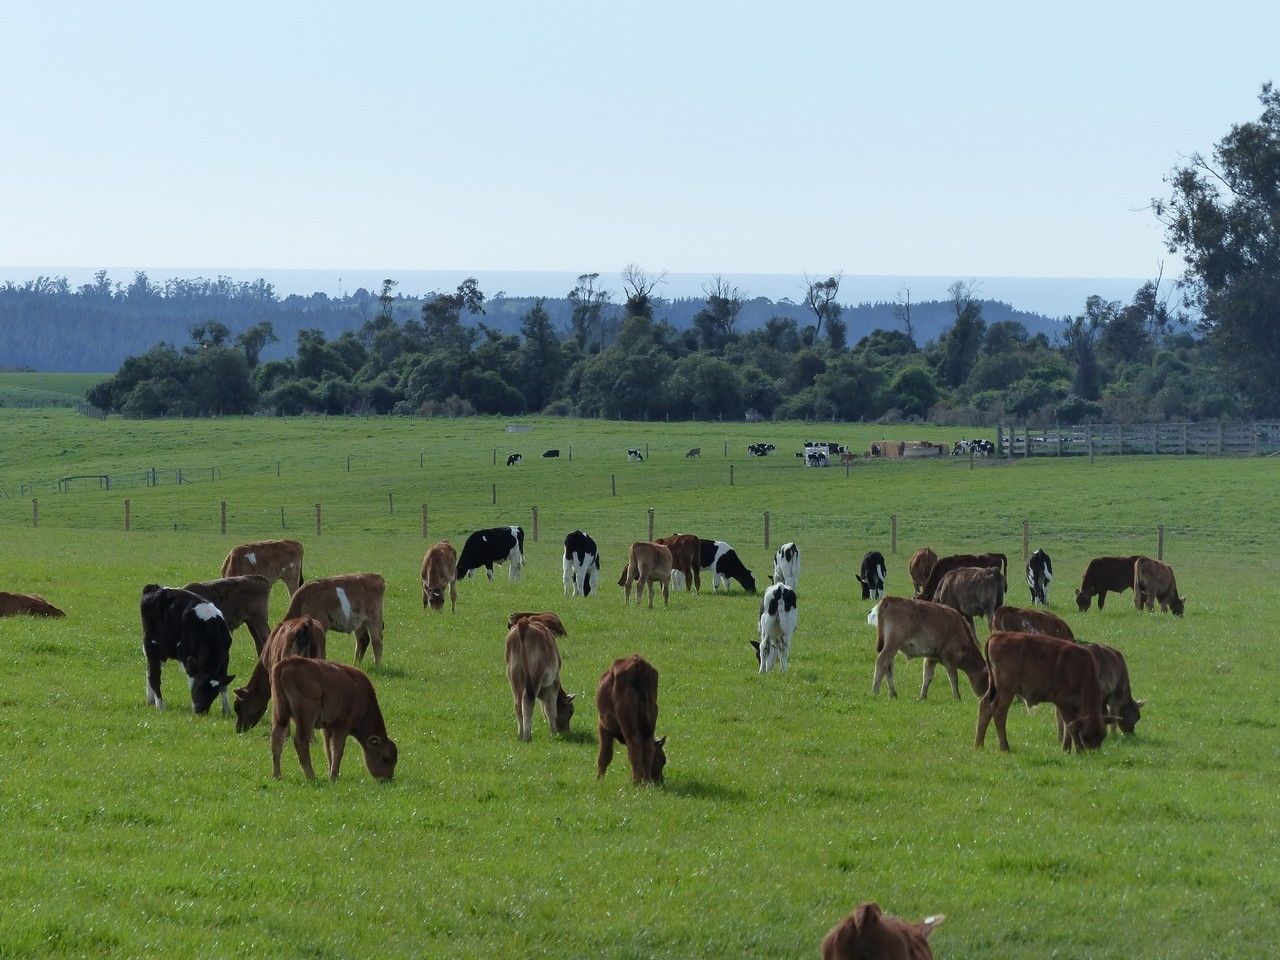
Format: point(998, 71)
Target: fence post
point(1026, 539)
point(1184, 439)
point(766, 530)
point(1027, 451)
point(35, 513)
point(391, 503)
point(1120, 437)
point(212, 476)
point(1160, 542)
point(222, 518)
point(651, 524)
point(1089, 439)
point(613, 485)
point(535, 524)
point(277, 469)
point(179, 476)
point(282, 518)
point(726, 450)
point(731, 474)
point(1254, 434)
point(348, 463)
point(1219, 438)
point(422, 459)
point(646, 451)
point(317, 519)
point(126, 516)
point(999, 439)
point(893, 534)
point(971, 456)
point(495, 456)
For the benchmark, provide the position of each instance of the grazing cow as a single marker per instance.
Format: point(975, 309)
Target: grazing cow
point(348, 603)
point(685, 570)
point(1043, 669)
point(786, 565)
point(722, 560)
point(647, 563)
point(240, 600)
point(533, 669)
point(816, 458)
point(1017, 620)
point(920, 628)
point(179, 625)
point(273, 559)
point(550, 454)
point(1105, 575)
point(303, 637)
point(1113, 680)
point(972, 591)
point(779, 610)
point(27, 604)
point(847, 458)
point(981, 448)
point(946, 564)
point(338, 699)
point(830, 449)
point(871, 934)
point(920, 567)
point(694, 454)
point(514, 459)
point(627, 708)
point(547, 618)
point(484, 548)
point(635, 456)
point(1039, 576)
point(1153, 582)
point(760, 449)
point(581, 564)
point(440, 572)
point(872, 575)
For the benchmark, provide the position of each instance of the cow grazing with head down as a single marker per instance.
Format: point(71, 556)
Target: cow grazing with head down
point(303, 637)
point(919, 628)
point(337, 699)
point(1105, 575)
point(972, 591)
point(779, 610)
point(178, 625)
point(871, 576)
point(647, 563)
point(920, 566)
point(26, 604)
point(945, 565)
point(627, 711)
point(550, 454)
point(273, 559)
point(581, 564)
point(513, 459)
point(1153, 582)
point(694, 454)
point(440, 573)
point(1017, 620)
point(722, 560)
point(685, 567)
point(484, 548)
point(786, 565)
point(871, 934)
point(533, 670)
point(760, 449)
point(547, 618)
point(348, 603)
point(1039, 576)
point(241, 600)
point(635, 456)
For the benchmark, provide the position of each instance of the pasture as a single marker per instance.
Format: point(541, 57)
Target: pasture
point(35, 389)
point(789, 798)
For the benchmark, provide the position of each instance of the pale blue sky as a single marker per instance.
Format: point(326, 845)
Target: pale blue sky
point(1011, 139)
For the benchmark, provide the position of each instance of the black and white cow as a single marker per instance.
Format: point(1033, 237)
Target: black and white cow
point(830, 449)
point(484, 548)
point(760, 449)
point(551, 455)
point(581, 565)
point(178, 625)
point(980, 448)
point(722, 560)
point(514, 459)
point(816, 457)
point(1039, 576)
point(634, 455)
point(779, 610)
point(872, 575)
point(786, 565)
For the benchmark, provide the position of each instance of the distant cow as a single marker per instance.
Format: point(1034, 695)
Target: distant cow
point(1153, 582)
point(1039, 576)
point(440, 573)
point(972, 591)
point(1043, 669)
point(581, 564)
point(533, 670)
point(303, 637)
point(872, 575)
point(920, 567)
point(273, 559)
point(484, 548)
point(760, 449)
point(1113, 680)
point(871, 934)
point(816, 458)
point(26, 604)
point(685, 559)
point(693, 454)
point(919, 628)
point(348, 603)
point(1017, 620)
point(786, 565)
point(513, 459)
point(634, 455)
point(779, 610)
point(627, 711)
point(945, 565)
point(338, 699)
point(831, 449)
point(1105, 575)
point(550, 454)
point(722, 560)
point(178, 625)
point(240, 600)
point(647, 563)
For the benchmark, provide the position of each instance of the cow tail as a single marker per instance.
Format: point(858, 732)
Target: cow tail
point(990, 695)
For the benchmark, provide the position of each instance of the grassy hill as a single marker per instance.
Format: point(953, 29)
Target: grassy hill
point(45, 389)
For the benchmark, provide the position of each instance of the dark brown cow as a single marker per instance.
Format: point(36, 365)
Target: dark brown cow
point(303, 637)
point(958, 560)
point(440, 572)
point(273, 559)
point(548, 619)
point(871, 934)
point(684, 559)
point(26, 604)
point(627, 709)
point(1018, 620)
point(242, 601)
point(648, 563)
point(920, 566)
point(1113, 678)
point(918, 628)
point(972, 591)
point(1153, 582)
point(1105, 575)
point(533, 669)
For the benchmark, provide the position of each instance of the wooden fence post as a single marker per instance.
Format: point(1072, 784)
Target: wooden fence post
point(999, 439)
point(1184, 439)
point(1160, 542)
point(1219, 438)
point(1026, 539)
point(222, 518)
point(422, 459)
point(726, 448)
point(282, 518)
point(212, 476)
point(651, 524)
point(571, 453)
point(1089, 440)
point(277, 469)
point(613, 485)
point(493, 494)
point(535, 524)
point(1120, 438)
point(766, 530)
point(971, 456)
point(893, 534)
point(424, 521)
point(1027, 452)
point(1254, 434)
point(646, 451)
point(126, 516)
point(731, 474)
point(317, 519)
point(348, 463)
point(391, 503)
point(35, 513)
point(495, 456)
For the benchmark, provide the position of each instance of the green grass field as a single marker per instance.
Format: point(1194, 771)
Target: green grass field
point(789, 798)
point(45, 389)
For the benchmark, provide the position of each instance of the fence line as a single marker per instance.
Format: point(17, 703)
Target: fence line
point(1255, 438)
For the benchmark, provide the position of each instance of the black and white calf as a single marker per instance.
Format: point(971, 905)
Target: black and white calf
point(980, 448)
point(786, 565)
point(830, 449)
point(634, 455)
point(779, 610)
point(178, 625)
point(872, 575)
point(816, 456)
point(484, 548)
point(760, 449)
point(514, 459)
point(722, 560)
point(550, 454)
point(1039, 576)
point(581, 565)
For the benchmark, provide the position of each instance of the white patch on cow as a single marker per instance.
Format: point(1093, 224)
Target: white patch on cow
point(677, 580)
point(1048, 575)
point(345, 604)
point(191, 683)
point(252, 558)
point(570, 576)
point(207, 611)
point(214, 684)
point(873, 618)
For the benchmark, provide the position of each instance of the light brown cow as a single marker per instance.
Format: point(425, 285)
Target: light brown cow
point(871, 934)
point(972, 591)
point(440, 570)
point(921, 565)
point(303, 637)
point(1042, 669)
point(348, 603)
point(627, 711)
point(273, 559)
point(685, 560)
point(647, 563)
point(919, 628)
point(1113, 679)
point(26, 604)
point(338, 699)
point(1153, 582)
point(533, 669)
point(241, 600)
point(547, 618)
point(1018, 620)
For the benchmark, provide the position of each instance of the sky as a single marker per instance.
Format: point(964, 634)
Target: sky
point(908, 139)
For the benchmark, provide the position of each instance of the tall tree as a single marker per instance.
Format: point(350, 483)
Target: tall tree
point(960, 344)
point(639, 285)
point(442, 314)
point(541, 362)
point(588, 303)
point(387, 299)
point(820, 297)
point(254, 340)
point(715, 321)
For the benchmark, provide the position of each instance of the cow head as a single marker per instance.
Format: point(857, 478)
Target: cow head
point(205, 689)
point(1083, 600)
point(1088, 732)
point(748, 581)
point(248, 710)
point(1177, 604)
point(659, 760)
point(1130, 714)
point(433, 599)
point(564, 711)
point(866, 587)
point(756, 644)
point(380, 756)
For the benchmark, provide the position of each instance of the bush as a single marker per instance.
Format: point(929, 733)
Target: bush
point(1076, 409)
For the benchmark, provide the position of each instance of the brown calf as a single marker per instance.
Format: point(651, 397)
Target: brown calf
point(1153, 582)
point(1105, 575)
point(647, 563)
point(340, 701)
point(627, 710)
point(349, 603)
point(958, 560)
point(918, 628)
point(1018, 620)
point(921, 565)
point(533, 669)
point(273, 559)
point(241, 600)
point(1043, 669)
point(972, 591)
point(685, 558)
point(1113, 678)
point(440, 570)
point(548, 619)
point(871, 934)
point(26, 604)
point(303, 637)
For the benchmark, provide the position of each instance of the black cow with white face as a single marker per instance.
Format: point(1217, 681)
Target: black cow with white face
point(484, 548)
point(1039, 576)
point(872, 575)
point(178, 625)
point(514, 459)
point(722, 560)
point(581, 564)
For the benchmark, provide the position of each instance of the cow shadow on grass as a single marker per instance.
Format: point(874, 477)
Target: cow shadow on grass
point(696, 788)
point(385, 670)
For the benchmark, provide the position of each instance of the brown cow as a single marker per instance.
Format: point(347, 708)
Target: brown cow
point(920, 566)
point(627, 710)
point(349, 603)
point(1113, 678)
point(548, 619)
point(957, 560)
point(918, 628)
point(972, 591)
point(1105, 575)
point(871, 934)
point(1018, 620)
point(273, 559)
point(533, 669)
point(26, 604)
point(685, 559)
point(440, 570)
point(647, 563)
point(1043, 669)
point(338, 699)
point(303, 637)
point(241, 600)
point(1153, 582)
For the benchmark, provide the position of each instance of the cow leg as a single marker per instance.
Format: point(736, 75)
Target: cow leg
point(766, 654)
point(302, 732)
point(984, 718)
point(1001, 715)
point(650, 594)
point(226, 704)
point(569, 577)
point(1064, 732)
point(362, 642)
point(526, 716)
point(259, 630)
point(548, 700)
point(666, 592)
point(926, 676)
point(337, 741)
point(453, 596)
point(639, 753)
point(697, 577)
point(488, 571)
point(279, 733)
point(375, 635)
point(882, 667)
point(605, 756)
point(153, 684)
point(953, 676)
point(1102, 598)
point(784, 654)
